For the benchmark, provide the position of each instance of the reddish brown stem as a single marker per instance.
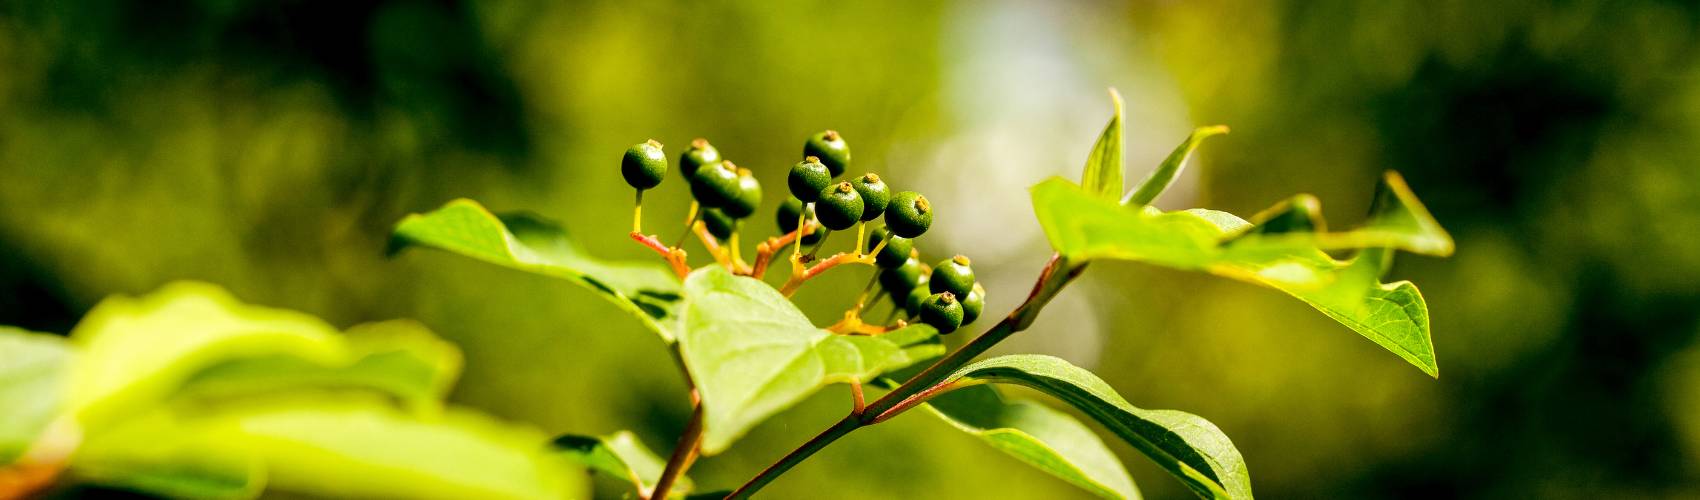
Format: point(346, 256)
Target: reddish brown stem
point(675, 257)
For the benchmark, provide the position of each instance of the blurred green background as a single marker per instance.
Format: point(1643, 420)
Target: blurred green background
point(268, 147)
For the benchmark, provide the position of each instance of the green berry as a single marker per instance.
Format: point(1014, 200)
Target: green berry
point(748, 196)
point(716, 186)
point(718, 223)
point(643, 165)
point(953, 275)
point(875, 196)
point(909, 215)
point(973, 304)
point(943, 311)
point(700, 153)
point(902, 279)
point(808, 178)
point(839, 207)
point(831, 149)
point(912, 302)
point(895, 251)
point(787, 217)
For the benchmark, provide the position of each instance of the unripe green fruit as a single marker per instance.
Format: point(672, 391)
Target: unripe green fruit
point(912, 302)
point(787, 218)
point(718, 223)
point(644, 165)
point(895, 251)
point(747, 198)
point(808, 178)
point(700, 153)
point(715, 186)
point(839, 207)
point(953, 275)
point(875, 195)
point(903, 278)
point(942, 311)
point(831, 149)
point(909, 215)
point(973, 304)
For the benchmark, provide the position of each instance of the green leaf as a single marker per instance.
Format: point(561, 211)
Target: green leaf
point(1047, 439)
point(621, 456)
point(1394, 315)
point(1188, 446)
point(194, 339)
point(531, 244)
point(398, 357)
point(1166, 172)
point(34, 370)
point(752, 353)
point(324, 445)
point(1103, 175)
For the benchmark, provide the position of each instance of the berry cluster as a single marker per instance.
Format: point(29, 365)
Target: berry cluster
point(945, 296)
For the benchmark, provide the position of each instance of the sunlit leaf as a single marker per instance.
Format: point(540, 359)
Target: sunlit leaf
point(34, 369)
point(1187, 446)
point(1393, 315)
point(752, 353)
point(1103, 175)
point(398, 357)
point(1044, 438)
point(1166, 172)
point(323, 445)
point(195, 339)
point(531, 244)
point(620, 455)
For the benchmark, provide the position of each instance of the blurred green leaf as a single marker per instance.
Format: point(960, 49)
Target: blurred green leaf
point(1188, 446)
point(137, 351)
point(194, 339)
point(752, 353)
point(398, 357)
point(1394, 316)
point(34, 368)
point(1165, 173)
point(531, 244)
point(321, 444)
point(1103, 175)
point(622, 456)
point(1047, 439)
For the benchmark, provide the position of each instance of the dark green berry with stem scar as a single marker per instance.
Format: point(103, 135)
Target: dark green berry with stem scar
point(973, 304)
point(831, 149)
point(808, 178)
point(748, 196)
point(643, 165)
point(787, 218)
point(718, 223)
point(942, 311)
point(839, 207)
point(895, 251)
point(953, 275)
point(699, 154)
point(875, 195)
point(900, 280)
point(715, 186)
point(909, 215)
